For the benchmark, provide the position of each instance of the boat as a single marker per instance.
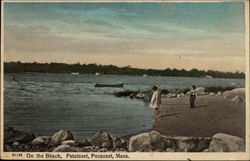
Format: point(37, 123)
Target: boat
point(119, 85)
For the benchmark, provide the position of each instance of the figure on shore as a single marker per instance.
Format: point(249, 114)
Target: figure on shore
point(193, 94)
point(155, 101)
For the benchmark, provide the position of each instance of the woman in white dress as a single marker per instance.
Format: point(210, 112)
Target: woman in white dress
point(155, 101)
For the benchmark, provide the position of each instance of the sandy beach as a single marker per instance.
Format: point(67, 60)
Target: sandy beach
point(213, 114)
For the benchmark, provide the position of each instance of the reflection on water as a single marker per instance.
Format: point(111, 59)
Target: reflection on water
point(45, 103)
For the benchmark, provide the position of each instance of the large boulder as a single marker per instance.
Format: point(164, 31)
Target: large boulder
point(235, 92)
point(11, 135)
point(69, 142)
point(64, 148)
point(101, 138)
point(226, 143)
point(140, 142)
point(237, 99)
point(191, 144)
point(41, 140)
point(61, 136)
point(154, 141)
point(119, 143)
point(82, 142)
point(148, 142)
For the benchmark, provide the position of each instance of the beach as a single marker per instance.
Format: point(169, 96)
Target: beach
point(212, 114)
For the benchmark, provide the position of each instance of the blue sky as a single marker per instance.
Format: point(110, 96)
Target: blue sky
point(145, 35)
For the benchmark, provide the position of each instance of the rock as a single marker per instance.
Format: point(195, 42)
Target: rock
point(147, 142)
point(140, 95)
point(226, 143)
point(61, 136)
point(206, 150)
point(64, 148)
point(172, 95)
point(105, 145)
point(96, 147)
point(237, 99)
point(15, 143)
point(212, 94)
point(103, 150)
point(140, 142)
point(41, 140)
point(170, 150)
point(192, 144)
point(131, 95)
point(82, 142)
point(156, 140)
point(119, 143)
point(69, 142)
point(87, 148)
point(237, 91)
point(11, 135)
point(101, 137)
point(121, 150)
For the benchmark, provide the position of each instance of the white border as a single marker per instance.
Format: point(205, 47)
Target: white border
point(146, 155)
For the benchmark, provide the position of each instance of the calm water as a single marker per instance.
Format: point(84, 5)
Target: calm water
point(45, 103)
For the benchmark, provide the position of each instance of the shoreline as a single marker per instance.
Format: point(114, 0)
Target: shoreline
point(215, 116)
point(87, 74)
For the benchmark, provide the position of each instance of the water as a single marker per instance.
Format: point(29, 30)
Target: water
point(45, 103)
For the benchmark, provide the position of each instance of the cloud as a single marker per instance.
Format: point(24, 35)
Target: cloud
point(118, 35)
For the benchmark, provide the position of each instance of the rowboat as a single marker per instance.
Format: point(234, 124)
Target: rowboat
point(120, 85)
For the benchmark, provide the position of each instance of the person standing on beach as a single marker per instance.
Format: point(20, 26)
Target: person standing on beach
point(155, 101)
point(192, 96)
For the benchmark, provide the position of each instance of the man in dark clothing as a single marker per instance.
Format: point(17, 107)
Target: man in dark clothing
point(192, 96)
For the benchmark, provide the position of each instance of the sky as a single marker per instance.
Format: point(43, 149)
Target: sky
point(158, 35)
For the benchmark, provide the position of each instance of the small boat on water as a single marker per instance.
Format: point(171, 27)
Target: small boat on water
point(119, 85)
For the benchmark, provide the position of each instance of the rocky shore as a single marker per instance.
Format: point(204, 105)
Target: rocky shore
point(63, 141)
point(227, 92)
point(217, 124)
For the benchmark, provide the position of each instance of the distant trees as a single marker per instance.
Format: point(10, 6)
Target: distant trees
point(17, 67)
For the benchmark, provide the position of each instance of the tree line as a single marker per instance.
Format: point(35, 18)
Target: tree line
point(18, 67)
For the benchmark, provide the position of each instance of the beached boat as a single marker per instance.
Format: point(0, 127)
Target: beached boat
point(120, 85)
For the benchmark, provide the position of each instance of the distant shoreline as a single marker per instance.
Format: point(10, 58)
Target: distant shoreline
point(75, 69)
